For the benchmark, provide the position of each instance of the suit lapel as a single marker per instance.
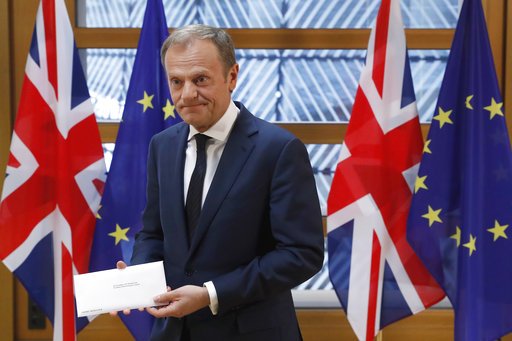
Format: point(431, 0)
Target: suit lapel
point(174, 189)
point(238, 148)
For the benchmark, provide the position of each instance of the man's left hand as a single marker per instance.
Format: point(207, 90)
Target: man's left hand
point(181, 302)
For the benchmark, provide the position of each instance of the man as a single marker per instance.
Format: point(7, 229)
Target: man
point(259, 232)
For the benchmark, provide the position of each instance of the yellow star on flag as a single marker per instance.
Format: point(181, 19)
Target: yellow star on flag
point(498, 230)
point(426, 147)
point(456, 236)
point(495, 108)
point(443, 117)
point(98, 213)
point(146, 101)
point(432, 216)
point(420, 183)
point(468, 102)
point(168, 110)
point(119, 234)
point(471, 245)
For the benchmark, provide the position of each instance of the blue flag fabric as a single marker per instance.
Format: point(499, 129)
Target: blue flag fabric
point(148, 110)
point(461, 211)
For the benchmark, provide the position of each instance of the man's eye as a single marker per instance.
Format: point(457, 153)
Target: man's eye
point(201, 79)
point(175, 82)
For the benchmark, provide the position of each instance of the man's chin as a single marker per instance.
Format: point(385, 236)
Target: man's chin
point(192, 112)
point(192, 118)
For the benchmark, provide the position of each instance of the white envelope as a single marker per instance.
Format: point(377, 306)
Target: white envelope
point(113, 290)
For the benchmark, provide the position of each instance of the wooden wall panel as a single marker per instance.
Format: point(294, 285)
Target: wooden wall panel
point(105, 327)
point(274, 38)
point(495, 14)
point(327, 325)
point(316, 325)
point(319, 133)
point(332, 325)
point(7, 304)
point(24, 14)
point(425, 326)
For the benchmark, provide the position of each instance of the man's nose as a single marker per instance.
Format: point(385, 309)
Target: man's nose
point(189, 91)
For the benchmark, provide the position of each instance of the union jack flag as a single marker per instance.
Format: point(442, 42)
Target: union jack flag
point(55, 173)
point(376, 275)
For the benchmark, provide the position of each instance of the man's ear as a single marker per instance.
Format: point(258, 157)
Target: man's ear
point(233, 77)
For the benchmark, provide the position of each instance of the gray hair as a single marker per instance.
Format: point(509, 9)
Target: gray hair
point(217, 36)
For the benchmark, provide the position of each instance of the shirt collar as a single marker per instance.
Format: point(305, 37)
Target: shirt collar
point(221, 129)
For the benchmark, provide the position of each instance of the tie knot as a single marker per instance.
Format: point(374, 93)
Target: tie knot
point(201, 141)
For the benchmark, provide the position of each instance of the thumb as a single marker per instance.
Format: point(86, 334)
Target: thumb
point(121, 265)
point(167, 297)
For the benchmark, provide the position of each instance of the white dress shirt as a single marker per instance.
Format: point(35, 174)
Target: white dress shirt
point(219, 134)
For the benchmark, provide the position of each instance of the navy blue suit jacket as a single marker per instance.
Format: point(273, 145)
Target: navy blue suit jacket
point(259, 233)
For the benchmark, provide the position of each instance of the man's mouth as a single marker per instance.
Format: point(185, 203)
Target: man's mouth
point(192, 105)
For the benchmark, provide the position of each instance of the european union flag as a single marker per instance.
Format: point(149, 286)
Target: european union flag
point(462, 207)
point(148, 110)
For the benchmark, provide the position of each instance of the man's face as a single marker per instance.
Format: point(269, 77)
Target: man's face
point(200, 89)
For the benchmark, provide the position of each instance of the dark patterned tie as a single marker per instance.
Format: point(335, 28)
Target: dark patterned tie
point(195, 188)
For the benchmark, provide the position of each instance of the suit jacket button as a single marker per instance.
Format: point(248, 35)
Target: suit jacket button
point(189, 272)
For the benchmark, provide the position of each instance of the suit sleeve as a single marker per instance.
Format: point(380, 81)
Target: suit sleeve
point(296, 226)
point(149, 241)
